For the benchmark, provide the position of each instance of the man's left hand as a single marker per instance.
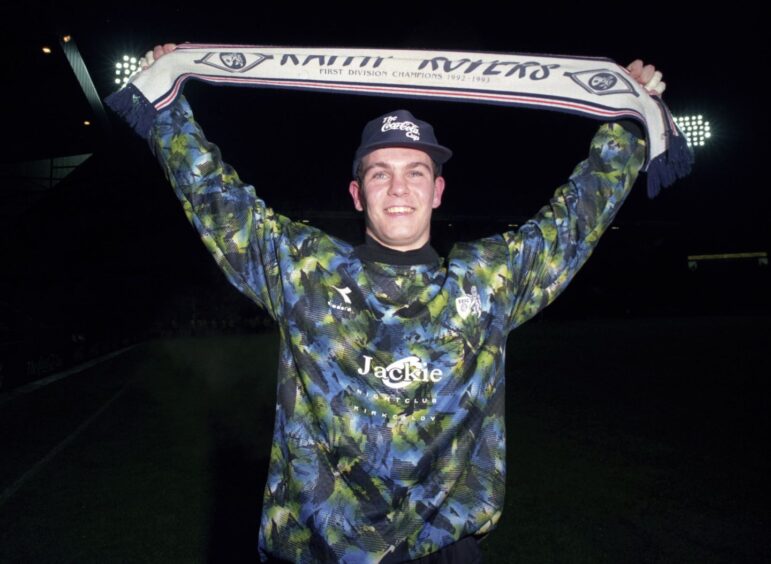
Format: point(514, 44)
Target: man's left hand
point(648, 76)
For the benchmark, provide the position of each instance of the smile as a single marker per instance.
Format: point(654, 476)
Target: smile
point(399, 210)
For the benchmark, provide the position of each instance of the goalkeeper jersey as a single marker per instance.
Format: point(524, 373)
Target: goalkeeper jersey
point(389, 437)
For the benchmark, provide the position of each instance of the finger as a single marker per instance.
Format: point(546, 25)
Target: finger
point(654, 81)
point(147, 60)
point(158, 51)
point(647, 74)
point(169, 47)
point(659, 90)
point(635, 68)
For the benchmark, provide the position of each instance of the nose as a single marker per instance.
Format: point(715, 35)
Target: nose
point(398, 186)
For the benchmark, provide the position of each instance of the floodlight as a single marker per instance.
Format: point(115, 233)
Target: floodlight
point(124, 68)
point(695, 128)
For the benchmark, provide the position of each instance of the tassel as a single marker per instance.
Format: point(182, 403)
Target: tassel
point(131, 105)
point(675, 163)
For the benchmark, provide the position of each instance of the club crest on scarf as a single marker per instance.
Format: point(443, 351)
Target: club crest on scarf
point(602, 82)
point(232, 61)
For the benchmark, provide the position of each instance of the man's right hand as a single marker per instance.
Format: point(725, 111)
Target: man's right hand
point(157, 52)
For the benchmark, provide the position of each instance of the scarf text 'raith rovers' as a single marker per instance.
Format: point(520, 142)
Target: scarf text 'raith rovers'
point(594, 87)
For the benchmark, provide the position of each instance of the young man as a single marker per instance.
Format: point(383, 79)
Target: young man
point(389, 440)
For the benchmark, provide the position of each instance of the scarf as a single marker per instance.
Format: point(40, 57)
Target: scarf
point(588, 86)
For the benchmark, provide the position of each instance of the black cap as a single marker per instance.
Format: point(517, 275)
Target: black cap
point(400, 129)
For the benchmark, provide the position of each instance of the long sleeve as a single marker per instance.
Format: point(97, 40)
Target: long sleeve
point(238, 229)
point(548, 250)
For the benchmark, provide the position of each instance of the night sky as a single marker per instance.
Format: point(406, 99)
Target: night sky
point(113, 228)
point(511, 159)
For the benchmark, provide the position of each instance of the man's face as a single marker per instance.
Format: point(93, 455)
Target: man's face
point(398, 194)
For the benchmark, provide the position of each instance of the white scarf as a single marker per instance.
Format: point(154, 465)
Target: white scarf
point(595, 87)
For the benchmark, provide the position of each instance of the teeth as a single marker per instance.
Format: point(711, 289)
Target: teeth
point(399, 209)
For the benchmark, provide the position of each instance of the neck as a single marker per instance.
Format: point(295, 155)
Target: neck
point(374, 251)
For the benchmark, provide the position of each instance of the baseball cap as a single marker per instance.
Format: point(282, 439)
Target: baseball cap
point(400, 129)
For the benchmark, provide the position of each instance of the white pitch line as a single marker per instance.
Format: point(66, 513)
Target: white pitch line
point(37, 384)
point(9, 492)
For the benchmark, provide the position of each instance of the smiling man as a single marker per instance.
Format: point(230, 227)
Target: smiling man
point(397, 182)
point(389, 439)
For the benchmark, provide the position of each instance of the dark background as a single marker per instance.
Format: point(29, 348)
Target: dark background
point(637, 404)
point(106, 256)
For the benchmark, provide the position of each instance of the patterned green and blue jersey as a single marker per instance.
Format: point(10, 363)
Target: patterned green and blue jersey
point(389, 438)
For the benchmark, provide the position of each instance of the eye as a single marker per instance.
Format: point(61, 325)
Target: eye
point(416, 172)
point(378, 175)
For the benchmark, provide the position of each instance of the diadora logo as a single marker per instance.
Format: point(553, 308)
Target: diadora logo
point(346, 304)
point(401, 373)
point(469, 304)
point(232, 61)
point(602, 82)
point(411, 130)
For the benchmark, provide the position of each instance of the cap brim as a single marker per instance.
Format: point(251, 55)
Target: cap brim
point(439, 154)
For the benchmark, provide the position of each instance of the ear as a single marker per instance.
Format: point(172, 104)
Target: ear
point(357, 194)
point(438, 191)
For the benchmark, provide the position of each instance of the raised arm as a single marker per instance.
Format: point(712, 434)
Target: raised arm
point(242, 233)
point(548, 250)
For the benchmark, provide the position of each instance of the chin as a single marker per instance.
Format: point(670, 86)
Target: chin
point(404, 244)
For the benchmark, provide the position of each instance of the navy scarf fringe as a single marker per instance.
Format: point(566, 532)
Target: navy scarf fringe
point(675, 163)
point(131, 105)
